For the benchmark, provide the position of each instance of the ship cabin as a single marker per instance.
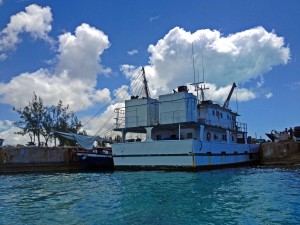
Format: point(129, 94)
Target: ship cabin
point(177, 116)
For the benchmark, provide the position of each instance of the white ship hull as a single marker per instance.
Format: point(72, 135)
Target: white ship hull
point(188, 154)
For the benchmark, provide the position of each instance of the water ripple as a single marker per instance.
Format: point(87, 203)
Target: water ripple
point(258, 195)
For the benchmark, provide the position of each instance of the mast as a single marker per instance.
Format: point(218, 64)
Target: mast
point(193, 62)
point(145, 82)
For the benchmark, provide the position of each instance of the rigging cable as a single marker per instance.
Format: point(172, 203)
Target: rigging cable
point(112, 114)
point(107, 104)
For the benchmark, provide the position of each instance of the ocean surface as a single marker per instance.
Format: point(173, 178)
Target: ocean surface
point(248, 195)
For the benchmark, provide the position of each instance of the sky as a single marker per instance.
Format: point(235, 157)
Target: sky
point(90, 53)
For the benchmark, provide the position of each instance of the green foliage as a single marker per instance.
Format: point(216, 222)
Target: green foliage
point(38, 120)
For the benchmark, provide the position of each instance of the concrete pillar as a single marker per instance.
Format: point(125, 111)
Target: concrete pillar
point(228, 136)
point(148, 134)
point(201, 133)
point(123, 136)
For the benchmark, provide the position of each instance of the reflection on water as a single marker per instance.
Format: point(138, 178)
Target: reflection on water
point(257, 195)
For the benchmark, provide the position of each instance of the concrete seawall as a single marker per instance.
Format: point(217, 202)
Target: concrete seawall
point(38, 159)
point(281, 153)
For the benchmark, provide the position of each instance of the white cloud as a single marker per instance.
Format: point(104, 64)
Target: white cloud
point(7, 132)
point(80, 53)
point(133, 52)
point(269, 95)
point(239, 58)
point(1, 2)
point(35, 20)
point(220, 94)
point(72, 79)
point(75, 78)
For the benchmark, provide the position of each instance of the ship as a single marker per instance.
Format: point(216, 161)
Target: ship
point(182, 131)
point(92, 157)
point(98, 158)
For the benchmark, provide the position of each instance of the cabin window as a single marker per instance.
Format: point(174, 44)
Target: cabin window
point(213, 112)
point(232, 138)
point(221, 115)
point(158, 137)
point(189, 135)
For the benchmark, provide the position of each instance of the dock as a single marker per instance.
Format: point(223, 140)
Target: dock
point(39, 159)
point(280, 153)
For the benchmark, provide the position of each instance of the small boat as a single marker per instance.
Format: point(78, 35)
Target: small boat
point(99, 158)
point(92, 157)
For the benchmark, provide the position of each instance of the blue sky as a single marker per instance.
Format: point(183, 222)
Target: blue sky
point(83, 52)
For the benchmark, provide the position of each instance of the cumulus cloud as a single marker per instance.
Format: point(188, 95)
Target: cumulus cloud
point(238, 57)
point(79, 53)
point(74, 78)
point(35, 20)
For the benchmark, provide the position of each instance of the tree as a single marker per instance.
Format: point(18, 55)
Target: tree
point(64, 121)
point(38, 120)
point(31, 118)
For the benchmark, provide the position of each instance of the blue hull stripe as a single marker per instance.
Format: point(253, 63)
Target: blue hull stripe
point(185, 154)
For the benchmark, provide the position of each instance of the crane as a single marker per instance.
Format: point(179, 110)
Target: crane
point(226, 103)
point(146, 89)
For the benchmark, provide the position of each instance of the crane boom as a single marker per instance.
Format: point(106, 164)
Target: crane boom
point(146, 89)
point(226, 103)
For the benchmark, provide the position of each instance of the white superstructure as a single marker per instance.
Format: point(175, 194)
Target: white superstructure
point(182, 132)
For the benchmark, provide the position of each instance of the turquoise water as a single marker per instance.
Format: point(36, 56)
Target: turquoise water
point(257, 195)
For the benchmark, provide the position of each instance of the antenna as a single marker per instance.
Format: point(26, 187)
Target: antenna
point(196, 84)
point(202, 66)
point(194, 63)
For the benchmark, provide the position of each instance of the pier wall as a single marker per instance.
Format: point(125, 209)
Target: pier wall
point(38, 159)
point(281, 153)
